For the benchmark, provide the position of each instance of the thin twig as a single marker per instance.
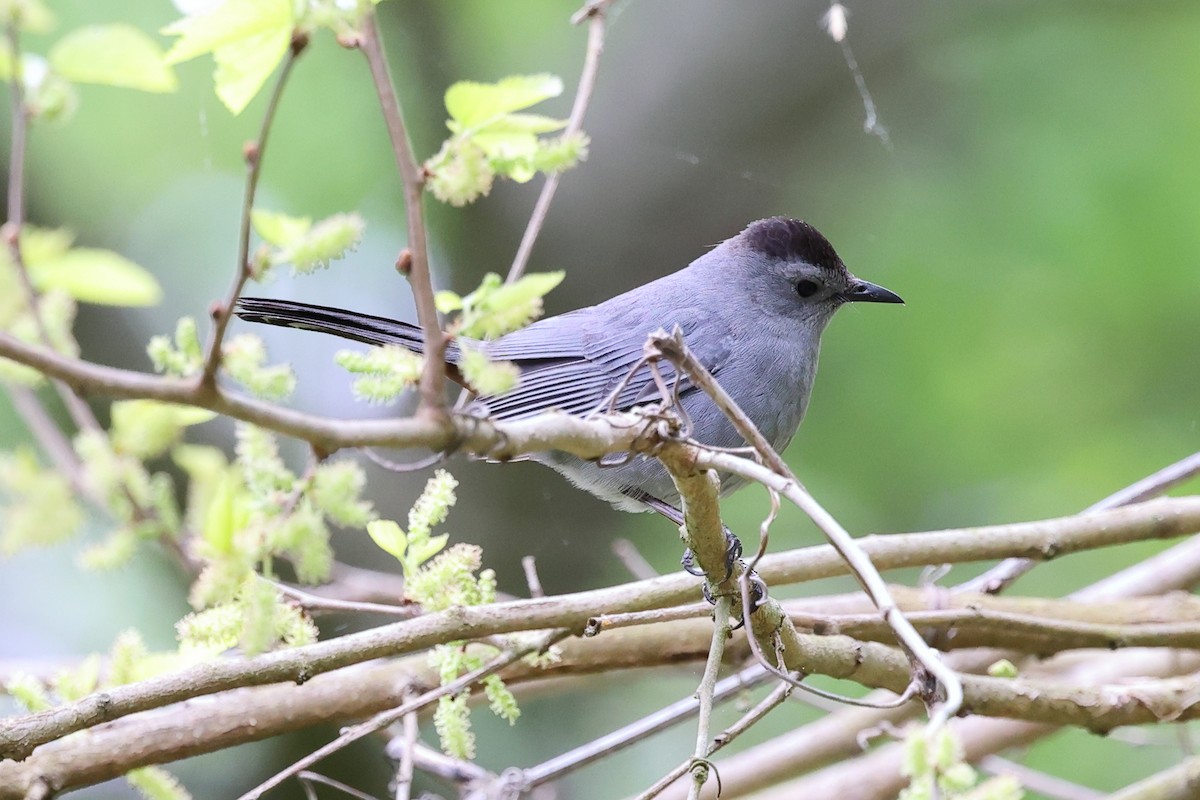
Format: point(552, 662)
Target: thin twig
point(1038, 781)
point(635, 732)
point(700, 766)
point(412, 176)
point(780, 693)
point(594, 12)
point(80, 413)
point(382, 720)
point(404, 772)
point(254, 153)
point(633, 560)
point(307, 776)
point(608, 622)
point(47, 433)
point(529, 565)
point(1004, 574)
point(313, 603)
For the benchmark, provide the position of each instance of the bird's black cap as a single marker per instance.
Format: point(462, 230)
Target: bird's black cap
point(792, 240)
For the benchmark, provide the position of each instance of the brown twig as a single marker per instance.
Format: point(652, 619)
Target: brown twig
point(778, 695)
point(1004, 574)
point(778, 476)
point(700, 767)
point(594, 12)
point(254, 153)
point(382, 720)
point(629, 735)
point(80, 413)
point(433, 375)
point(404, 771)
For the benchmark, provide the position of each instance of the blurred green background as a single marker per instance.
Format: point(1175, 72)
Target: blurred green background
point(1039, 210)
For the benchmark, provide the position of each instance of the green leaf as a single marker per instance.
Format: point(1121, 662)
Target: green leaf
point(533, 286)
point(328, 240)
point(279, 229)
point(447, 301)
point(223, 519)
point(244, 67)
point(426, 549)
point(389, 536)
point(44, 244)
point(471, 104)
point(486, 377)
point(155, 783)
point(247, 39)
point(113, 55)
point(96, 276)
point(146, 428)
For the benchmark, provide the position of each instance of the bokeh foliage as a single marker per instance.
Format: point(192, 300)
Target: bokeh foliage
point(1037, 211)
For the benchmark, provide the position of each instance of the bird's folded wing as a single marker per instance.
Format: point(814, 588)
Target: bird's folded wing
point(576, 362)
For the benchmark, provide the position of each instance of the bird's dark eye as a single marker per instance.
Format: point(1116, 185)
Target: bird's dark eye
point(807, 288)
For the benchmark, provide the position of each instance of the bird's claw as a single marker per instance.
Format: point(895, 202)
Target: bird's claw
point(733, 552)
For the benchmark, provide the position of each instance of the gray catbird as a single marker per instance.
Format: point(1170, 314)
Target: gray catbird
point(752, 310)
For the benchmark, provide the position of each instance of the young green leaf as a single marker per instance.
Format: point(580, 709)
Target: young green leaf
point(279, 229)
point(247, 39)
point(474, 104)
point(447, 301)
point(389, 536)
point(96, 276)
point(487, 377)
point(146, 428)
point(113, 55)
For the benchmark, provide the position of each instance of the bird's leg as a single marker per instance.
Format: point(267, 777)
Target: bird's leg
point(733, 545)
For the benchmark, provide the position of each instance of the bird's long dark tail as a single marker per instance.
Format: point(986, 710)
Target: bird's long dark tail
point(339, 322)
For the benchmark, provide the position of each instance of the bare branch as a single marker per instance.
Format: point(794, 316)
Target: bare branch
point(1159, 518)
point(433, 375)
point(1004, 574)
point(382, 720)
point(594, 12)
point(1176, 783)
point(780, 693)
point(254, 152)
point(700, 767)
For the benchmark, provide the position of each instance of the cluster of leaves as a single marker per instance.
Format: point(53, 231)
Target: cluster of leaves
point(40, 504)
point(109, 55)
point(301, 243)
point(243, 357)
point(438, 578)
point(248, 38)
point(242, 516)
point(247, 514)
point(492, 310)
point(490, 138)
point(938, 769)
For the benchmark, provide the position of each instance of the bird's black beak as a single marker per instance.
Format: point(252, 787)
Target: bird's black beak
point(865, 292)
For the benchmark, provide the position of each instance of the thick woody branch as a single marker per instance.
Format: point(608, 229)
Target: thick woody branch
point(1180, 782)
point(586, 438)
point(1033, 625)
point(1159, 518)
point(877, 775)
point(838, 735)
point(250, 714)
point(776, 475)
